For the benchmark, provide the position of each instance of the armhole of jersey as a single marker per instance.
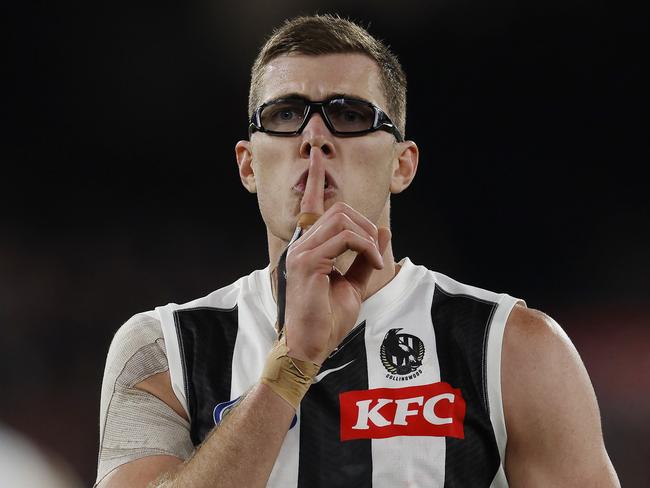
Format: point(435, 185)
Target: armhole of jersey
point(495, 343)
point(176, 370)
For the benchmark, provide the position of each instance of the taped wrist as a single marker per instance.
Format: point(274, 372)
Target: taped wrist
point(286, 376)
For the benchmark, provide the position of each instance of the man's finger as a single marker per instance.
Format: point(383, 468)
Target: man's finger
point(313, 200)
point(359, 273)
point(328, 227)
point(344, 241)
point(338, 211)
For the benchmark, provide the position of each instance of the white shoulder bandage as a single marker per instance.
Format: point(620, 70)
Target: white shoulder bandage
point(133, 423)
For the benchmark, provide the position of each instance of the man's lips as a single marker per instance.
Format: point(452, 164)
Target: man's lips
point(330, 183)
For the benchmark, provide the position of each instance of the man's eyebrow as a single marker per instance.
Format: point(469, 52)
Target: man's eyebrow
point(302, 96)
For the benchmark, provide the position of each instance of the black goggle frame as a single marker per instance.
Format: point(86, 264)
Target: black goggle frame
point(381, 119)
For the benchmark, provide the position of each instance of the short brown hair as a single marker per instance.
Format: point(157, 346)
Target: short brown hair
point(331, 34)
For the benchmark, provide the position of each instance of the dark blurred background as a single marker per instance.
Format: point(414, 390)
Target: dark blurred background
point(120, 190)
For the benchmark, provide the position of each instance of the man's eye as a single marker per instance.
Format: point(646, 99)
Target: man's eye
point(286, 115)
point(351, 116)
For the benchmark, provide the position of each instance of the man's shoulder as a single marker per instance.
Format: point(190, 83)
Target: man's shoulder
point(530, 331)
point(139, 330)
point(537, 353)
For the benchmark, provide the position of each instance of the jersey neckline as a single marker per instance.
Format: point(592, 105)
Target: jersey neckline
point(379, 303)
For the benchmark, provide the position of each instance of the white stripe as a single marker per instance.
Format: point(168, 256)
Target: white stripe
point(413, 461)
point(255, 337)
point(254, 340)
point(494, 346)
point(166, 317)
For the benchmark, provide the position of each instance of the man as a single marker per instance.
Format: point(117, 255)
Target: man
point(385, 374)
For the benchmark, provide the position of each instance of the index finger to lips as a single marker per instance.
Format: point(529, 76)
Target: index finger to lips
point(313, 199)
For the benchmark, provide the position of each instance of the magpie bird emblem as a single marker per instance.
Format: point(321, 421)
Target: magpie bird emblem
point(401, 354)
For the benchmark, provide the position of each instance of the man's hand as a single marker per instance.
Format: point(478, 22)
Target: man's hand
point(323, 304)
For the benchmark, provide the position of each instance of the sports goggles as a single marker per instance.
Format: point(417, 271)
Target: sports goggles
point(342, 116)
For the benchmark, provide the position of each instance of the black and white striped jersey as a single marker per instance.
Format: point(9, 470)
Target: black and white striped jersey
point(410, 398)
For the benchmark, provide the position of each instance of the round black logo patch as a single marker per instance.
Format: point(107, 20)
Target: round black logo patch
point(401, 354)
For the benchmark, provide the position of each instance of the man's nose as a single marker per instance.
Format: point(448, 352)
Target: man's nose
point(316, 134)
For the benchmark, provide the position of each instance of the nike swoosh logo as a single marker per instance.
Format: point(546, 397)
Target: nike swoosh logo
point(322, 374)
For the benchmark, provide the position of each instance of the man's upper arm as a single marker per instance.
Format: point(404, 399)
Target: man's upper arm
point(552, 416)
point(140, 473)
point(143, 428)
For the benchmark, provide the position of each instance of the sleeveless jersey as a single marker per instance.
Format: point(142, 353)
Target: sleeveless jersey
point(410, 398)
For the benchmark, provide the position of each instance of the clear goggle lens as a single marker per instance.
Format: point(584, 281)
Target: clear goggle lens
point(343, 115)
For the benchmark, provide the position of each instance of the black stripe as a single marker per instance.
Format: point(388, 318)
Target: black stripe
point(207, 338)
point(461, 324)
point(282, 289)
point(325, 461)
point(282, 281)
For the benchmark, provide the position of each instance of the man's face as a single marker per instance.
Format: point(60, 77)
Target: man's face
point(358, 169)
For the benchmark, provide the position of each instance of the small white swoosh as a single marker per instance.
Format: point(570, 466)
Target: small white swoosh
point(322, 374)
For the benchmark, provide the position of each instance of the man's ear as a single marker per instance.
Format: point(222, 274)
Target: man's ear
point(405, 166)
point(244, 155)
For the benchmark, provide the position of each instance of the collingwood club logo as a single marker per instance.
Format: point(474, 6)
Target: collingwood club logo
point(401, 355)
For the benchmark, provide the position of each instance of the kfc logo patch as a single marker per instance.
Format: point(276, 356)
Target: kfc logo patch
point(436, 410)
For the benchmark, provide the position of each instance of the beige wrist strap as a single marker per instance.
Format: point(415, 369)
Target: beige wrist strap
point(288, 377)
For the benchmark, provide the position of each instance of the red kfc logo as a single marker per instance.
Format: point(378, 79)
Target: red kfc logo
point(430, 410)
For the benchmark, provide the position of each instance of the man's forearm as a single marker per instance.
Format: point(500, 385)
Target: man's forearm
point(242, 450)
